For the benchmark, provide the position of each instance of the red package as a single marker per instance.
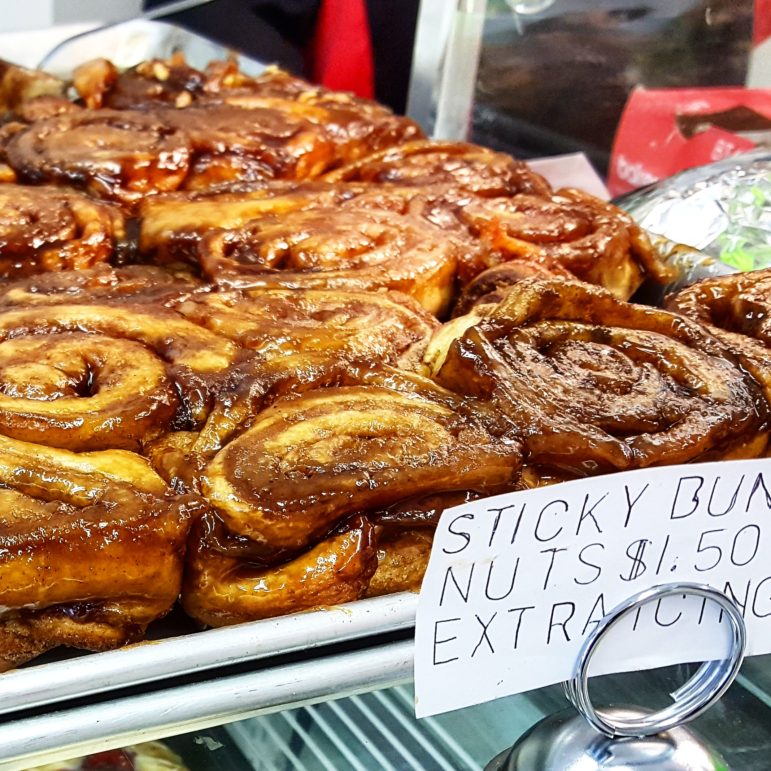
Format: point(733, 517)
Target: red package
point(663, 131)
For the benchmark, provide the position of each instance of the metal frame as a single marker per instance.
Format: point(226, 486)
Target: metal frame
point(152, 661)
point(76, 731)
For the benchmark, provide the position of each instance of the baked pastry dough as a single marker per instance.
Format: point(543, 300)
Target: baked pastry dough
point(594, 384)
point(222, 588)
point(51, 229)
point(93, 376)
point(120, 155)
point(736, 309)
point(465, 167)
point(308, 462)
point(595, 241)
point(91, 548)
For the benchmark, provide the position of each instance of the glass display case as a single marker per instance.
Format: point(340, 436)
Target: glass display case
point(365, 726)
point(332, 689)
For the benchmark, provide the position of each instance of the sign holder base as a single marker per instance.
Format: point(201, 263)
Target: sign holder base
point(632, 739)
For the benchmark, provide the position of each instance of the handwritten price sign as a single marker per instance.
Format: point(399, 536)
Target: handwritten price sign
point(517, 581)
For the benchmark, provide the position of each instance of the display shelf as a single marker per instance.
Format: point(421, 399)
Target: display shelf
point(92, 726)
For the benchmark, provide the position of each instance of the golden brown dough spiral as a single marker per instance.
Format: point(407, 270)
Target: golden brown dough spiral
point(736, 309)
point(308, 462)
point(467, 167)
point(136, 284)
point(593, 384)
point(120, 155)
point(300, 339)
point(356, 127)
point(91, 548)
point(101, 376)
point(595, 241)
point(491, 285)
point(221, 588)
point(249, 145)
point(336, 248)
point(173, 225)
point(50, 229)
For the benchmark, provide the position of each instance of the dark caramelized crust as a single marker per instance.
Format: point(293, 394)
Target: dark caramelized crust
point(736, 309)
point(135, 284)
point(50, 229)
point(336, 248)
point(302, 339)
point(356, 127)
point(402, 559)
point(91, 548)
point(121, 155)
point(172, 226)
point(220, 590)
point(234, 144)
point(595, 241)
point(468, 168)
point(491, 285)
point(152, 83)
point(101, 376)
point(592, 383)
point(308, 462)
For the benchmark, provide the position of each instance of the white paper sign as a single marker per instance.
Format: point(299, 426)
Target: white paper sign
point(517, 581)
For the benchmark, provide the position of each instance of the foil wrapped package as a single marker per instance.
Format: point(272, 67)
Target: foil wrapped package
point(723, 210)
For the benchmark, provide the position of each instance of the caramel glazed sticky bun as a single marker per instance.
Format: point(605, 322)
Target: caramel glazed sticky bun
point(256, 336)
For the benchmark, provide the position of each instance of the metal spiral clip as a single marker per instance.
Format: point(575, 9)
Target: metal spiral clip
point(631, 739)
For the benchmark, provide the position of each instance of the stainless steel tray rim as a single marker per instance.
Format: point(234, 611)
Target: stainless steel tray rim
point(151, 661)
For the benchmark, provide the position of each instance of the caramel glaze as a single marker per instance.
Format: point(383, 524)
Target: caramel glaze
point(334, 248)
point(103, 284)
point(595, 241)
point(233, 143)
point(309, 461)
point(490, 286)
point(152, 83)
point(593, 384)
point(91, 548)
point(737, 310)
point(97, 376)
point(301, 340)
point(120, 155)
point(220, 590)
point(466, 167)
point(173, 225)
point(51, 229)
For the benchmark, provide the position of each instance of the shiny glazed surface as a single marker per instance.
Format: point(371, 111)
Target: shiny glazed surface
point(271, 371)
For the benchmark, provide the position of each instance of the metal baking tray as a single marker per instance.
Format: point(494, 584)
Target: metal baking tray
point(130, 42)
point(87, 675)
point(181, 708)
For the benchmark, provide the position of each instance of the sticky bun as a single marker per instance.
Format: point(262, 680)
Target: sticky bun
point(221, 589)
point(466, 167)
point(591, 383)
point(52, 229)
point(307, 462)
point(120, 155)
point(736, 309)
point(595, 241)
point(87, 377)
point(91, 548)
